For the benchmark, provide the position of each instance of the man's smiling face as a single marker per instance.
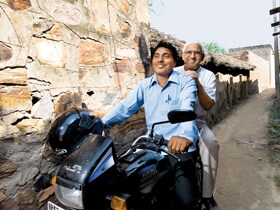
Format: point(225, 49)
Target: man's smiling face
point(163, 62)
point(192, 56)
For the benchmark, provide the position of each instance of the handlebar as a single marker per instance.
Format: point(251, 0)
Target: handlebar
point(157, 144)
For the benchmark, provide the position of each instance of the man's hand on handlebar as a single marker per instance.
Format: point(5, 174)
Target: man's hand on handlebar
point(178, 144)
point(97, 113)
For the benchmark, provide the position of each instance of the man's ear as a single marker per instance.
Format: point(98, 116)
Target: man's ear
point(203, 56)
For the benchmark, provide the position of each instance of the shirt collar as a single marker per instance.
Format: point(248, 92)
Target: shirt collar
point(174, 77)
point(199, 69)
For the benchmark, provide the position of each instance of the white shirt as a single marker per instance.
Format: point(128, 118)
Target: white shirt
point(208, 81)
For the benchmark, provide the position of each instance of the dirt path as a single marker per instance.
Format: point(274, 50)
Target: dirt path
point(244, 178)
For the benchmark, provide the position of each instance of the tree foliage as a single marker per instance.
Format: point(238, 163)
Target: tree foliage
point(214, 48)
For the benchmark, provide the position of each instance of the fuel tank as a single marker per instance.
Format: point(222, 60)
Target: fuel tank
point(144, 168)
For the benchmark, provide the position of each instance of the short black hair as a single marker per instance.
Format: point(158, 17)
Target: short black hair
point(169, 46)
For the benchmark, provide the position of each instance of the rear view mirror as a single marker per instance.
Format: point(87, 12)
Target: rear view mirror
point(181, 115)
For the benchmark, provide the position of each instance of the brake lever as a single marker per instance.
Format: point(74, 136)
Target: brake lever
point(169, 153)
point(164, 142)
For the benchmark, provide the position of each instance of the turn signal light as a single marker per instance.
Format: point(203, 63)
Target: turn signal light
point(118, 203)
point(53, 180)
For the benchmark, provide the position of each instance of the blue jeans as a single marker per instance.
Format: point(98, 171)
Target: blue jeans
point(185, 179)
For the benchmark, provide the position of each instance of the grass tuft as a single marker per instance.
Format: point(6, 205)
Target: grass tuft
point(274, 134)
point(274, 123)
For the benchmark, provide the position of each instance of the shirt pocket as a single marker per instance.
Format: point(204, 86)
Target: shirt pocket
point(173, 104)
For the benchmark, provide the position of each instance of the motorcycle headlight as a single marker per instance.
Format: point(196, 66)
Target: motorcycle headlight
point(69, 194)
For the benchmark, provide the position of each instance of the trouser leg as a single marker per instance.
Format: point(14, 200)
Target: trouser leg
point(209, 152)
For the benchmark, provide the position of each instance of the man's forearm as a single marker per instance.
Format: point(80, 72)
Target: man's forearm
point(205, 101)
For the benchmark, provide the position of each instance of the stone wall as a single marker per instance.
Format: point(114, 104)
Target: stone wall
point(55, 55)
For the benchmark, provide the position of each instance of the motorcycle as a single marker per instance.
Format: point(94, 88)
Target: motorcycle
point(93, 176)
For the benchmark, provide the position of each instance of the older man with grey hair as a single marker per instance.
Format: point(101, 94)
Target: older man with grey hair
point(193, 54)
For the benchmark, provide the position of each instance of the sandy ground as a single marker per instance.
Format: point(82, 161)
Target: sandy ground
point(245, 172)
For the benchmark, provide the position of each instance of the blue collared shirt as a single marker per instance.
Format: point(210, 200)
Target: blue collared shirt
point(178, 93)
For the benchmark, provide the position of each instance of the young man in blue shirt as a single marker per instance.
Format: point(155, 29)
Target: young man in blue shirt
point(165, 90)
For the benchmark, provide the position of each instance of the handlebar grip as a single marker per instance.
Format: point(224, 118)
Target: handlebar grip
point(165, 142)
